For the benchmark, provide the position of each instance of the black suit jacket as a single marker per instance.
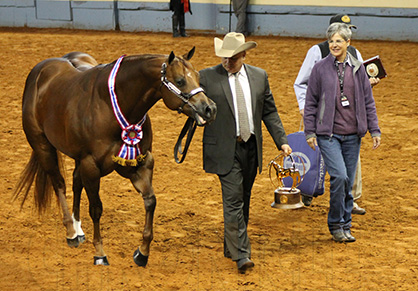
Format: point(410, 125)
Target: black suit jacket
point(219, 138)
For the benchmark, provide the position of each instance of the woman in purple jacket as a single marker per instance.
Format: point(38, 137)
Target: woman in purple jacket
point(339, 110)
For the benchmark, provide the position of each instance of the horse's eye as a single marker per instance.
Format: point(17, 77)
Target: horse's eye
point(180, 82)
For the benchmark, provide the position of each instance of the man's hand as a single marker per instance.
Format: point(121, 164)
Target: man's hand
point(376, 142)
point(312, 142)
point(374, 81)
point(287, 150)
point(302, 112)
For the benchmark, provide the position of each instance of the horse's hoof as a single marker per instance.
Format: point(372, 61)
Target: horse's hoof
point(81, 238)
point(140, 259)
point(73, 242)
point(101, 260)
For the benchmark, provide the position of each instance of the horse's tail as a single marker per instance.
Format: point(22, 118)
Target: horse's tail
point(43, 186)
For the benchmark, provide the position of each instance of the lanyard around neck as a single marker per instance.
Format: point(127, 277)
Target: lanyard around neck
point(341, 75)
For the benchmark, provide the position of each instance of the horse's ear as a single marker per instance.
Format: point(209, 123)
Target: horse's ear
point(171, 57)
point(190, 54)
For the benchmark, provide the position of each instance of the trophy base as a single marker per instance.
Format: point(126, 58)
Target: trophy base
point(287, 198)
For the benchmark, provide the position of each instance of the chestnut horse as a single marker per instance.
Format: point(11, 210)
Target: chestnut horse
point(97, 115)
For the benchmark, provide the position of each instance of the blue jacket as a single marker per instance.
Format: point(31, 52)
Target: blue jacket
point(321, 95)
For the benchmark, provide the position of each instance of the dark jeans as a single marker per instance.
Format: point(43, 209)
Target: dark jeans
point(340, 153)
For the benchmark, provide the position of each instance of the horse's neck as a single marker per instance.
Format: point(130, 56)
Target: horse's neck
point(138, 86)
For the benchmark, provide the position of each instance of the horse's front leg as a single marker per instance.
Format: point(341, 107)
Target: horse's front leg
point(142, 181)
point(90, 177)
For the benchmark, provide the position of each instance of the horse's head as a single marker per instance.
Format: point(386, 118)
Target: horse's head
point(184, 94)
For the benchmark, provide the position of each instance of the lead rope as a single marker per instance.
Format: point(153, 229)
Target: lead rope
point(189, 128)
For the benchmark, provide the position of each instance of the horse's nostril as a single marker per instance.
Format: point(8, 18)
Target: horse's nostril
point(210, 111)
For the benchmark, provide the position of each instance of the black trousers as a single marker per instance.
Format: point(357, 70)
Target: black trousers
point(236, 194)
point(179, 18)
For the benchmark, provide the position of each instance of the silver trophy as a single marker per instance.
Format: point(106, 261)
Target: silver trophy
point(291, 167)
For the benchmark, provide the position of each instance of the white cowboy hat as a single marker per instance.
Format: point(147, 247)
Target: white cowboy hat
point(233, 44)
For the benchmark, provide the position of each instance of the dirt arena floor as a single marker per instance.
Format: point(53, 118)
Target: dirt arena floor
point(292, 249)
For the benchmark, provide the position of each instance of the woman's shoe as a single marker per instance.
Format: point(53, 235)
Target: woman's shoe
point(349, 237)
point(339, 236)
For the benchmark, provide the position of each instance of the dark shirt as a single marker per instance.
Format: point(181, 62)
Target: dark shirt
point(345, 121)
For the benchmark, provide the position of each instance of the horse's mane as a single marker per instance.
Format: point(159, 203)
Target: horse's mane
point(146, 57)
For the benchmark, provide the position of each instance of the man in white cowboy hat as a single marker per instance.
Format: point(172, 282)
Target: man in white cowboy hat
point(232, 144)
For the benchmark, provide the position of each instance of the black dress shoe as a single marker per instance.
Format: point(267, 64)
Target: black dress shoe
point(339, 236)
point(307, 200)
point(244, 264)
point(358, 210)
point(349, 237)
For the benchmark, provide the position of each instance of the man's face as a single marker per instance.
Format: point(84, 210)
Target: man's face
point(233, 64)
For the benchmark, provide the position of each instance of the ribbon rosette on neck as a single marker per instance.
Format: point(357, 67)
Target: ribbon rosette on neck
point(130, 153)
point(132, 135)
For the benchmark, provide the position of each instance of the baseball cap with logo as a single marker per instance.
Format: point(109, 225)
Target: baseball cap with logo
point(342, 18)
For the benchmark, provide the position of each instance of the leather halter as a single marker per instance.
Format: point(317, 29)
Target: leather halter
point(190, 125)
point(185, 97)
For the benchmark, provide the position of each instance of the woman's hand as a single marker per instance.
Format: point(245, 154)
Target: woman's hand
point(312, 142)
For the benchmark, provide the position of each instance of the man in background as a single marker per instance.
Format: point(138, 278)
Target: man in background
point(179, 8)
point(240, 10)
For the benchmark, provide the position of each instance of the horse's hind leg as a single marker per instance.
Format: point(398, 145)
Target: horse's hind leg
point(77, 189)
point(47, 157)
